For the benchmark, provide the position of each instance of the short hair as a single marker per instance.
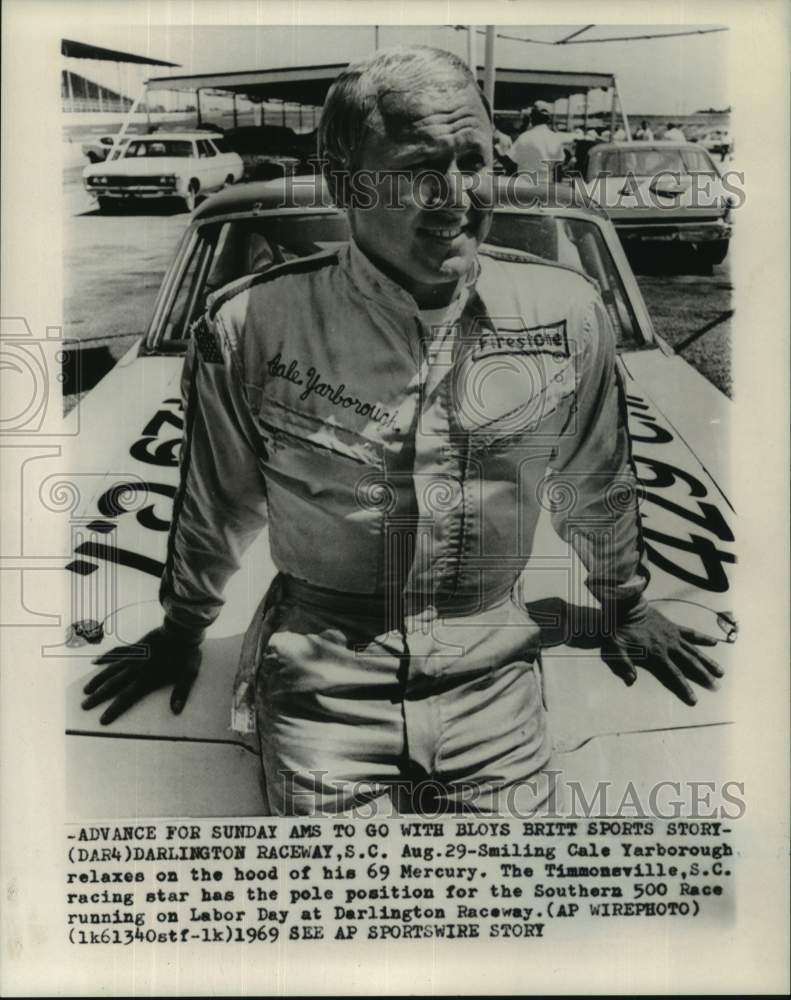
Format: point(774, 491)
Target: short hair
point(354, 101)
point(539, 116)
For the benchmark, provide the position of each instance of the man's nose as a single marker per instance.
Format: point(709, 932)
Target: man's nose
point(453, 189)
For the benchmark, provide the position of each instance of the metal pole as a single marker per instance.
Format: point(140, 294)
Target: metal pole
point(587, 95)
point(235, 112)
point(376, 37)
point(624, 116)
point(70, 90)
point(488, 72)
point(128, 120)
point(568, 115)
point(612, 109)
point(471, 40)
point(197, 99)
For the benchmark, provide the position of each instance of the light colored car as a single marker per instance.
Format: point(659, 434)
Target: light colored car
point(717, 141)
point(662, 192)
point(185, 165)
point(98, 148)
point(204, 762)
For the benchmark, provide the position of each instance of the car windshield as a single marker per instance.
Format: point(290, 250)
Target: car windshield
point(648, 162)
point(158, 147)
point(225, 251)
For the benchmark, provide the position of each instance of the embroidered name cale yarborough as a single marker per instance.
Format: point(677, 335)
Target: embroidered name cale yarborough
point(336, 395)
point(551, 339)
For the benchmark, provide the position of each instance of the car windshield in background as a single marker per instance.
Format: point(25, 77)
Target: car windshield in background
point(648, 162)
point(575, 243)
point(225, 251)
point(158, 147)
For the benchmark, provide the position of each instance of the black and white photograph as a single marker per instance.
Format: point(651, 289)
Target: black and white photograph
point(385, 560)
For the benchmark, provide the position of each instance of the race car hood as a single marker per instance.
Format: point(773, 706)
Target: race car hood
point(117, 532)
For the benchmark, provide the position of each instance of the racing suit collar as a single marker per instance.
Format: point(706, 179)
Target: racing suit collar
point(375, 284)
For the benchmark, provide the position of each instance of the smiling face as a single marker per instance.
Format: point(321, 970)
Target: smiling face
point(427, 162)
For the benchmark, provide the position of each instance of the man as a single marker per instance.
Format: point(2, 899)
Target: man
point(393, 406)
point(539, 150)
point(673, 133)
point(644, 132)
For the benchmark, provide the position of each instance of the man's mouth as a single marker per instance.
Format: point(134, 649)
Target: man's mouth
point(447, 233)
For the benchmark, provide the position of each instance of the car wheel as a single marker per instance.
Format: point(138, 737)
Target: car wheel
point(191, 199)
point(229, 180)
point(714, 252)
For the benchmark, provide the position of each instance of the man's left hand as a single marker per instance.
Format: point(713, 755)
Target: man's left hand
point(669, 651)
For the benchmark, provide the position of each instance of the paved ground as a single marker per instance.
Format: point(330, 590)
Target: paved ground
point(114, 265)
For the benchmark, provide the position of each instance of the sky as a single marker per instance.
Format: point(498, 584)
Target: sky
point(658, 76)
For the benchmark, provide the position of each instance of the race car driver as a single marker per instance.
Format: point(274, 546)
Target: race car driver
point(400, 410)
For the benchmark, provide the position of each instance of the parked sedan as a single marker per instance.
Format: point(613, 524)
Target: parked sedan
point(98, 148)
point(184, 165)
point(662, 192)
point(204, 762)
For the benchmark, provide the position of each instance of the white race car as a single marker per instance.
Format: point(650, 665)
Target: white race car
point(204, 762)
point(184, 165)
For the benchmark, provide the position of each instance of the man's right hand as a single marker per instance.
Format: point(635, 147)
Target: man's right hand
point(157, 660)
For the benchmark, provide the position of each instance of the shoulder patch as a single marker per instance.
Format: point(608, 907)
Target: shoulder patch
point(551, 339)
point(302, 265)
point(206, 342)
point(523, 257)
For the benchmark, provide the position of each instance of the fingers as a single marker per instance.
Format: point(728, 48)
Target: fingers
point(692, 668)
point(182, 688)
point(699, 638)
point(621, 665)
point(711, 665)
point(102, 676)
point(671, 676)
point(133, 693)
point(121, 678)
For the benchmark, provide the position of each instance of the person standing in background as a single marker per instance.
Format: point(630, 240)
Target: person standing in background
point(539, 150)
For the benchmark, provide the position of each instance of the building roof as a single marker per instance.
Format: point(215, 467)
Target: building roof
point(514, 88)
point(81, 50)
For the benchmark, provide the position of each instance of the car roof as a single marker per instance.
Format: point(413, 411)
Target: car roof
point(158, 136)
point(305, 191)
point(642, 144)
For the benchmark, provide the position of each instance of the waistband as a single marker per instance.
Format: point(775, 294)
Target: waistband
point(391, 607)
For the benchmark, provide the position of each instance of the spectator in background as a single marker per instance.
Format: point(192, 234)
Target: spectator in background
point(674, 133)
point(539, 150)
point(644, 132)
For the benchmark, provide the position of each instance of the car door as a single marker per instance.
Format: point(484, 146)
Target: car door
point(210, 165)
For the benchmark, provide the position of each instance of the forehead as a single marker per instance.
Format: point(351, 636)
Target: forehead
point(441, 112)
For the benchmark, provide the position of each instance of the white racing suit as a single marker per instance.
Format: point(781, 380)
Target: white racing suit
point(402, 470)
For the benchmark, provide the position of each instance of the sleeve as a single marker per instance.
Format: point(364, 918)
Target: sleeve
point(593, 476)
point(220, 504)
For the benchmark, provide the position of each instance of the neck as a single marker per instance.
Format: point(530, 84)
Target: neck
point(426, 296)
